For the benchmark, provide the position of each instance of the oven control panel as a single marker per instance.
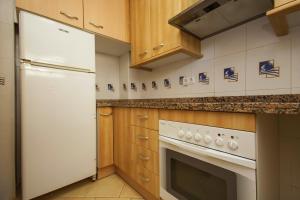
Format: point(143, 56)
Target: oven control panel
point(240, 143)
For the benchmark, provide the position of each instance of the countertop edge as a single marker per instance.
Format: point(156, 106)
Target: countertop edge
point(269, 104)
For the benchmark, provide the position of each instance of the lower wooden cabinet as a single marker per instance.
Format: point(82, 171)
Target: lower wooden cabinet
point(105, 142)
point(136, 150)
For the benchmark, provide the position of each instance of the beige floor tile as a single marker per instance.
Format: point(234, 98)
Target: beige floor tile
point(107, 187)
point(129, 192)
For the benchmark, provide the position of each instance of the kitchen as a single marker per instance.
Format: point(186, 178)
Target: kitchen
point(150, 99)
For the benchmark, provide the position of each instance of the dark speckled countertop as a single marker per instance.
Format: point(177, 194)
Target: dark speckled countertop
point(274, 104)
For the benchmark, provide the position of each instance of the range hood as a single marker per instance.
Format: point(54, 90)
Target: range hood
point(209, 17)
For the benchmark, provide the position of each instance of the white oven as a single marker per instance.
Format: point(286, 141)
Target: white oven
point(206, 163)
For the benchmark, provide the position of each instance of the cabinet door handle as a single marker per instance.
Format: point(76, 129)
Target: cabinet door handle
point(142, 116)
point(95, 25)
point(159, 46)
point(144, 179)
point(141, 137)
point(68, 16)
point(143, 157)
point(144, 53)
point(105, 114)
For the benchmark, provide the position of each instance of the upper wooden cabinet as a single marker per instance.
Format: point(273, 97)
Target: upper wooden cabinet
point(109, 18)
point(153, 37)
point(66, 11)
point(140, 31)
point(281, 2)
point(278, 15)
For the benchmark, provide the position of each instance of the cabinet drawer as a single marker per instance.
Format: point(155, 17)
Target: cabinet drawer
point(147, 118)
point(145, 138)
point(147, 159)
point(148, 180)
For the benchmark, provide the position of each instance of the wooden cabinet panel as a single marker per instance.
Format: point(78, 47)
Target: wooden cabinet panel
point(66, 11)
point(147, 118)
point(165, 37)
point(146, 158)
point(105, 138)
point(140, 30)
point(152, 37)
point(145, 138)
point(238, 121)
point(123, 141)
point(278, 3)
point(148, 180)
point(109, 18)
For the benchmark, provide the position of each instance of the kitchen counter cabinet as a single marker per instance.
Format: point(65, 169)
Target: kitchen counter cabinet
point(108, 18)
point(105, 142)
point(66, 11)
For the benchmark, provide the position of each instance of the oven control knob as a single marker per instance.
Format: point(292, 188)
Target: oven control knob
point(207, 139)
point(198, 137)
point(233, 145)
point(189, 135)
point(180, 133)
point(219, 141)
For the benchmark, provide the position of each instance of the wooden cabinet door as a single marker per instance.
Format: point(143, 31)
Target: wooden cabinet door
point(140, 31)
point(70, 12)
point(278, 3)
point(66, 11)
point(105, 137)
point(123, 155)
point(164, 36)
point(109, 18)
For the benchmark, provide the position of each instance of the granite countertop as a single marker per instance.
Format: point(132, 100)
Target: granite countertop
point(274, 104)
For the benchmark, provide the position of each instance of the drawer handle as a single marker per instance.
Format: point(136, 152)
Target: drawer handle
point(142, 157)
point(95, 25)
point(68, 16)
point(143, 54)
point(105, 115)
point(141, 137)
point(142, 116)
point(159, 46)
point(144, 179)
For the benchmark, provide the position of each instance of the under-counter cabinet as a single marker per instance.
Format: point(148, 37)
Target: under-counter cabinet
point(105, 142)
point(136, 149)
point(108, 18)
point(152, 37)
point(66, 11)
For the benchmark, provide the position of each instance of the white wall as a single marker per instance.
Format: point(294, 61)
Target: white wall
point(107, 72)
point(7, 182)
point(242, 48)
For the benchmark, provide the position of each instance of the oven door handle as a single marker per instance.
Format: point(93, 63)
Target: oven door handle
point(203, 151)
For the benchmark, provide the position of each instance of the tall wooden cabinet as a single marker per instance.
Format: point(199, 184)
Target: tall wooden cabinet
point(153, 37)
point(105, 142)
point(109, 18)
point(66, 11)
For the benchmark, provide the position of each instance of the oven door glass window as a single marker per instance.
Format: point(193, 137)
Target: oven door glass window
point(192, 179)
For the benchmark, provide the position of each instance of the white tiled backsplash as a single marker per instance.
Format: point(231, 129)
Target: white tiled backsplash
point(247, 60)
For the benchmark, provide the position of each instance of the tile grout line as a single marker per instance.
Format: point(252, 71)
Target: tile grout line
point(121, 190)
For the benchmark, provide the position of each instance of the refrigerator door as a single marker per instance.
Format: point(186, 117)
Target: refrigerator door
point(46, 41)
point(58, 126)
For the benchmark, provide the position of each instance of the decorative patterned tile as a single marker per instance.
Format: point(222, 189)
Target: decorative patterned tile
point(269, 68)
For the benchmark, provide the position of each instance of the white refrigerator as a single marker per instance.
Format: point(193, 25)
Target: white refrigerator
point(58, 106)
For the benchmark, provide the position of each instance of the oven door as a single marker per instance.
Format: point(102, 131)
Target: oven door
point(191, 179)
point(191, 172)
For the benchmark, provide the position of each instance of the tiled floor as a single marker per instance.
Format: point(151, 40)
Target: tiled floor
point(109, 188)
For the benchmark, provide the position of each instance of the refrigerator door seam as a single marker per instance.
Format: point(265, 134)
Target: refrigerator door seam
point(47, 65)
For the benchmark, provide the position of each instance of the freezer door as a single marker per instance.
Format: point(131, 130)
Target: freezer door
point(46, 41)
point(58, 128)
